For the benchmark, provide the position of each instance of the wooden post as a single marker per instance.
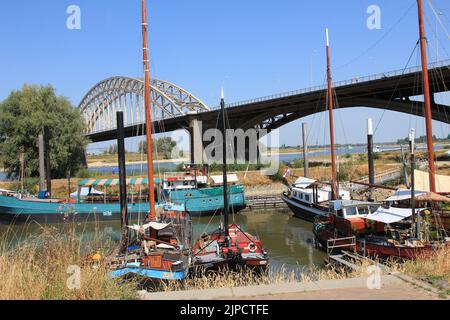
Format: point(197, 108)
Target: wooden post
point(48, 170)
point(122, 172)
point(370, 155)
point(42, 176)
point(22, 168)
point(305, 149)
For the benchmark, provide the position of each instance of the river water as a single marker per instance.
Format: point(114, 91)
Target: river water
point(137, 169)
point(288, 240)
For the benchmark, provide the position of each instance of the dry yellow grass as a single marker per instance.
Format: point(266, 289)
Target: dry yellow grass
point(434, 267)
point(37, 269)
point(241, 278)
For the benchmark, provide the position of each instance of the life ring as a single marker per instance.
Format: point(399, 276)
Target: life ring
point(252, 247)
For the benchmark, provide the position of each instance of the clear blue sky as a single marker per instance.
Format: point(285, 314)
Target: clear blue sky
point(252, 47)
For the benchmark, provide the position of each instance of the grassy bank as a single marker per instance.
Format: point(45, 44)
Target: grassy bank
point(433, 269)
point(39, 268)
point(42, 267)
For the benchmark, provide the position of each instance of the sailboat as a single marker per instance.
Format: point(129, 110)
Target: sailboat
point(229, 246)
point(160, 249)
point(383, 233)
point(309, 199)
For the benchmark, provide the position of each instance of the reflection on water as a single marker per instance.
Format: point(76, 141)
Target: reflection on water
point(289, 241)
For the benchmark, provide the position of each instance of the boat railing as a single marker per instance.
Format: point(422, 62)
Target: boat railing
point(337, 243)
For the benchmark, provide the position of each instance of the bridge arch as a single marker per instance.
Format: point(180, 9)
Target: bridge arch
point(99, 105)
point(275, 120)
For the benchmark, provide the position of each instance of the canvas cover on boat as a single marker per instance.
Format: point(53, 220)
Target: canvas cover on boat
point(85, 192)
point(422, 182)
point(303, 182)
point(154, 225)
point(390, 215)
point(231, 178)
point(115, 182)
point(404, 194)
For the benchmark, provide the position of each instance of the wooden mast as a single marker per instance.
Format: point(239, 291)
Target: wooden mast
point(224, 163)
point(426, 95)
point(148, 115)
point(334, 187)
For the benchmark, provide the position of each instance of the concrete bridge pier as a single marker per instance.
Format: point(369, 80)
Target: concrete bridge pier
point(196, 141)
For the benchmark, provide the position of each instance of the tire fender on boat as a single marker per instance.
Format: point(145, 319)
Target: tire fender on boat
point(251, 247)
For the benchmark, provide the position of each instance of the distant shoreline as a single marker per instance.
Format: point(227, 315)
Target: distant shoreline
point(100, 164)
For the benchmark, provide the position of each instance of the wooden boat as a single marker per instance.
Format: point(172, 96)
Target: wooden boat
point(308, 200)
point(199, 200)
point(243, 250)
point(385, 240)
point(199, 196)
point(229, 246)
point(343, 230)
point(160, 249)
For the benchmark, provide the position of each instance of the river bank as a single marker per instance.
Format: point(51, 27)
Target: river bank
point(391, 288)
point(39, 257)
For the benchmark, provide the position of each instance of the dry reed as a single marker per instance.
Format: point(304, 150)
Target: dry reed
point(37, 268)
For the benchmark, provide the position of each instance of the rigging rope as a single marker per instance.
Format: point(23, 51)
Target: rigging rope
point(396, 87)
point(379, 40)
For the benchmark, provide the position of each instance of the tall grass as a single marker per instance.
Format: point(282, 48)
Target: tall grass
point(434, 267)
point(37, 267)
point(203, 280)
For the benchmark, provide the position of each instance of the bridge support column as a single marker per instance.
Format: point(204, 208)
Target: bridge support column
point(196, 141)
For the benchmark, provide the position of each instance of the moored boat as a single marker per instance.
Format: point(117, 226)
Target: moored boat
point(202, 198)
point(382, 233)
point(212, 251)
point(160, 248)
point(308, 199)
point(228, 246)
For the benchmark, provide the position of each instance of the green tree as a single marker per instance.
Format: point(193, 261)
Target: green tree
point(24, 115)
point(162, 146)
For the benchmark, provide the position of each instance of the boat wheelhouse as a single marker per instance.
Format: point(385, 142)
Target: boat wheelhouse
point(309, 199)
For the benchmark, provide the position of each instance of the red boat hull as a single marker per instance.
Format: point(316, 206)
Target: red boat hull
point(244, 250)
point(365, 246)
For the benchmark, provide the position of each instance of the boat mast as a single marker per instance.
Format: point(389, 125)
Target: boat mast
point(148, 115)
point(426, 95)
point(415, 218)
point(224, 164)
point(334, 186)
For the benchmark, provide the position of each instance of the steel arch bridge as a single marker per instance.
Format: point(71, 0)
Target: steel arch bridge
point(101, 103)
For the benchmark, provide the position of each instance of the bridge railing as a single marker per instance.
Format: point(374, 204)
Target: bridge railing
point(343, 83)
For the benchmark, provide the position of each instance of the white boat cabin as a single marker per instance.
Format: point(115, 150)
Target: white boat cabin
point(307, 191)
point(181, 181)
point(348, 209)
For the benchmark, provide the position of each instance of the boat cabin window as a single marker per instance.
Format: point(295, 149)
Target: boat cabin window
point(307, 197)
point(363, 210)
point(373, 208)
point(339, 213)
point(351, 211)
